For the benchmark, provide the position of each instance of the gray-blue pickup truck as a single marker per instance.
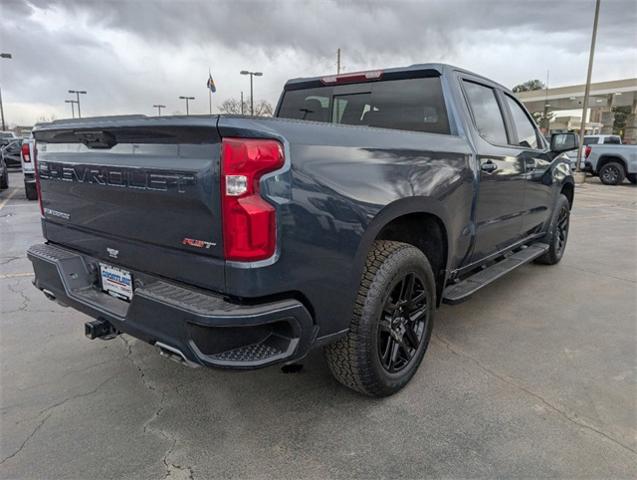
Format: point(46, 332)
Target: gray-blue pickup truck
point(342, 223)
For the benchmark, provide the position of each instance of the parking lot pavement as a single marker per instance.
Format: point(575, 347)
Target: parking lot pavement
point(533, 377)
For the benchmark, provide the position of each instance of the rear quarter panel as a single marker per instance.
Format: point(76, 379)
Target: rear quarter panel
point(345, 183)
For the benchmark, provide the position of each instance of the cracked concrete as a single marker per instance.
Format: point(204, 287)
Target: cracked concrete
point(533, 377)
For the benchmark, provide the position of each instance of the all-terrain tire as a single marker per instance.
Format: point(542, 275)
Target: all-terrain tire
point(612, 173)
point(354, 359)
point(558, 233)
point(632, 178)
point(31, 191)
point(4, 180)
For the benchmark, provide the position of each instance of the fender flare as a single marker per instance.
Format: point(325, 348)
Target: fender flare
point(387, 214)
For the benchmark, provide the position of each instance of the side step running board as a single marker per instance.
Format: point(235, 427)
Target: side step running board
point(461, 291)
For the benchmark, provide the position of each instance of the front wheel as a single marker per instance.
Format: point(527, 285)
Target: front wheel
point(612, 173)
point(558, 232)
point(392, 322)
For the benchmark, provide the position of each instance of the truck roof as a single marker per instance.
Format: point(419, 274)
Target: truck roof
point(440, 68)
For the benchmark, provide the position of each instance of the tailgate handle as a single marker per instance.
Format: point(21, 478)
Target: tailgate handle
point(96, 138)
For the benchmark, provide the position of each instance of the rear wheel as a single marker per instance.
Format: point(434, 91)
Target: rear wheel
point(558, 233)
point(392, 322)
point(632, 178)
point(612, 173)
point(31, 191)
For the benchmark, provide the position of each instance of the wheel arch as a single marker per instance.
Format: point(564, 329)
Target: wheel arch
point(607, 158)
point(568, 190)
point(404, 221)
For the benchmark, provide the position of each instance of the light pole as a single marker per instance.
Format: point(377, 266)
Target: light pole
point(580, 176)
point(72, 102)
point(159, 107)
point(7, 56)
point(78, 93)
point(252, 74)
point(186, 98)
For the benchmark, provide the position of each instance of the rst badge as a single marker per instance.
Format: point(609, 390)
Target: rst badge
point(193, 242)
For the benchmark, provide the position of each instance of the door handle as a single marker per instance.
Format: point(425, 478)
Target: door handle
point(488, 166)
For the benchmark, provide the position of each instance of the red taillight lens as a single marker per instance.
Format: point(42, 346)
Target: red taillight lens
point(249, 222)
point(26, 156)
point(36, 172)
point(587, 151)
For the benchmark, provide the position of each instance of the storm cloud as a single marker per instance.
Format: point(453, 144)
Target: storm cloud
point(131, 54)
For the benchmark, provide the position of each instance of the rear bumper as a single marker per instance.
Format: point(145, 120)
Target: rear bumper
point(202, 328)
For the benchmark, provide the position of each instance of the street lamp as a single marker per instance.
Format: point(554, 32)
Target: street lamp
point(159, 107)
point(186, 98)
point(78, 93)
point(72, 102)
point(252, 74)
point(7, 56)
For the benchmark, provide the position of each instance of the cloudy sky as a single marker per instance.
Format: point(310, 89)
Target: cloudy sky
point(131, 54)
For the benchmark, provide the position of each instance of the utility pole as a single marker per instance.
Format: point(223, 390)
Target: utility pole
point(78, 93)
point(582, 129)
point(241, 102)
point(187, 98)
point(252, 74)
point(7, 56)
point(72, 102)
point(545, 119)
point(338, 61)
point(159, 107)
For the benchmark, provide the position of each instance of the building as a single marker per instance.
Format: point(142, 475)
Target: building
point(602, 98)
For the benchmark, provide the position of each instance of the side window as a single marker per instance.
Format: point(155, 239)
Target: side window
point(527, 136)
point(486, 112)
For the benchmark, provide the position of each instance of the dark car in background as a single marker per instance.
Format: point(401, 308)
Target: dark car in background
point(4, 175)
point(11, 152)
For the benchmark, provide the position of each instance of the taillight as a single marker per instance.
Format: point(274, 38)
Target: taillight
point(587, 151)
point(353, 77)
point(37, 178)
point(249, 222)
point(26, 155)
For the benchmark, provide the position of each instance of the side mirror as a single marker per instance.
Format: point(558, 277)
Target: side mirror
point(563, 142)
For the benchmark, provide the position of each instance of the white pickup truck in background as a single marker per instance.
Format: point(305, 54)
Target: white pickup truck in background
point(593, 140)
point(612, 163)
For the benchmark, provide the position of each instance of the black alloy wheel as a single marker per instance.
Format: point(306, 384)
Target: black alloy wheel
point(403, 323)
point(561, 233)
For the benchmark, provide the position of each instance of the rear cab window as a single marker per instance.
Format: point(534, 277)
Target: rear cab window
point(612, 140)
point(415, 104)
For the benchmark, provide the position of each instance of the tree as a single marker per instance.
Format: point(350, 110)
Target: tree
point(233, 106)
point(528, 86)
point(621, 114)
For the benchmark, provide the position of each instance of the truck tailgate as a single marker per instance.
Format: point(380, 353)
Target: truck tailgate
point(136, 192)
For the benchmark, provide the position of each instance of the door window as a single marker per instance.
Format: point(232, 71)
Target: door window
point(486, 112)
point(527, 136)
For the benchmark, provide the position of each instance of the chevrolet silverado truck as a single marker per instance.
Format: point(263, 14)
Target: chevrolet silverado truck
point(342, 223)
point(612, 163)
